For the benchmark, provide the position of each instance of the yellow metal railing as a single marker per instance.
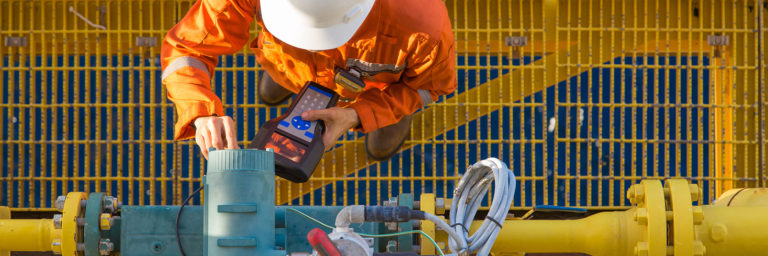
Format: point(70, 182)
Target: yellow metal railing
point(582, 98)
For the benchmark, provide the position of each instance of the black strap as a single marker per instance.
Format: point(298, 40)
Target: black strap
point(462, 226)
point(494, 221)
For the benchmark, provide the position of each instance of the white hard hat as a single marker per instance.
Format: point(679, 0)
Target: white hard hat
point(314, 24)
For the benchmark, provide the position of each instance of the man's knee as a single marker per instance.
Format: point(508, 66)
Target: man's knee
point(381, 144)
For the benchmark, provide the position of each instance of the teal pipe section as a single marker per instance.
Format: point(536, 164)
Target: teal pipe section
point(150, 230)
point(239, 211)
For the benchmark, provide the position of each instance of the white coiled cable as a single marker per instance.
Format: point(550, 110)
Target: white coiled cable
point(468, 195)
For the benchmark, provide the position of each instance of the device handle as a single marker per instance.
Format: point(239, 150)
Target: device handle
point(322, 244)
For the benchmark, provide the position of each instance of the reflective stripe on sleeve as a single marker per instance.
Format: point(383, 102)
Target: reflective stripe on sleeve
point(184, 61)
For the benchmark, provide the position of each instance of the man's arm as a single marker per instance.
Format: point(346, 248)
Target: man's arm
point(190, 53)
point(431, 72)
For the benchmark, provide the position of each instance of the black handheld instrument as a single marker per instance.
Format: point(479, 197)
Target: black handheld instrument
point(297, 143)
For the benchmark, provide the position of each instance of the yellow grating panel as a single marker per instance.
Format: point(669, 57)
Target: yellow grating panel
point(599, 95)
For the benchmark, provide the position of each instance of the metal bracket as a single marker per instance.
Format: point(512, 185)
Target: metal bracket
point(516, 41)
point(16, 41)
point(146, 41)
point(717, 40)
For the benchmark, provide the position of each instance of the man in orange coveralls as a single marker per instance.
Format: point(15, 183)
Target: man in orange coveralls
point(401, 50)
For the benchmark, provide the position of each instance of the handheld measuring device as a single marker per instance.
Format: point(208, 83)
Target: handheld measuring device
point(297, 143)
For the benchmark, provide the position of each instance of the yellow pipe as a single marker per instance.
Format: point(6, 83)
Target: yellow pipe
point(26, 235)
point(5, 213)
point(743, 197)
point(607, 233)
point(724, 231)
point(734, 230)
point(728, 227)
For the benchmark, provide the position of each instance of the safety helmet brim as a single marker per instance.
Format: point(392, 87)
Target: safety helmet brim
point(280, 19)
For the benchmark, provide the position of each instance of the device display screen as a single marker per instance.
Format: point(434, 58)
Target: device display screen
point(312, 98)
point(286, 147)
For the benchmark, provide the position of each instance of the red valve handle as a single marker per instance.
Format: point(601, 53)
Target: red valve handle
point(322, 244)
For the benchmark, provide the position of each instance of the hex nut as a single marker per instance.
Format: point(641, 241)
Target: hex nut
point(636, 193)
point(106, 246)
point(59, 203)
point(109, 203)
point(639, 193)
point(105, 221)
point(641, 249)
point(416, 224)
point(57, 221)
point(698, 215)
point(699, 249)
point(392, 246)
point(440, 205)
point(56, 246)
point(694, 192)
point(641, 216)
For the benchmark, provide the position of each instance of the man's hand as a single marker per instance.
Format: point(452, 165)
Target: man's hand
point(215, 132)
point(337, 122)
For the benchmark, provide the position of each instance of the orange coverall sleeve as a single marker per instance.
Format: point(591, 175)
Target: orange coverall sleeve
point(190, 53)
point(431, 72)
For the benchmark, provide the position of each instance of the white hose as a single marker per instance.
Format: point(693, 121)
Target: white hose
point(455, 236)
point(468, 195)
